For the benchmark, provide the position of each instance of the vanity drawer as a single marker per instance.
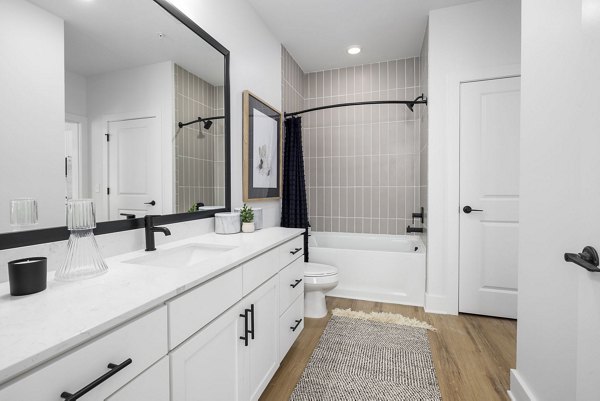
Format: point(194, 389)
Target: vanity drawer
point(291, 324)
point(291, 284)
point(291, 250)
point(143, 340)
point(260, 269)
point(194, 309)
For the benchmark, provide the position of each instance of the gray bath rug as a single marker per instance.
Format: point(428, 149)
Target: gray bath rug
point(370, 359)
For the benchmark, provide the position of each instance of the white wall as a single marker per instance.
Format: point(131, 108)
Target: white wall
point(255, 65)
point(557, 336)
point(472, 41)
point(128, 93)
point(32, 110)
point(75, 94)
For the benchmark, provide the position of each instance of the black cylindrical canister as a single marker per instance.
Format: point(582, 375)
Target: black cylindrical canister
point(27, 276)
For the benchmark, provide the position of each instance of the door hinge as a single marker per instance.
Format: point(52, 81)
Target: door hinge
point(107, 191)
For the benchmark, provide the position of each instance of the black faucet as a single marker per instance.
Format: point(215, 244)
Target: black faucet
point(410, 229)
point(150, 230)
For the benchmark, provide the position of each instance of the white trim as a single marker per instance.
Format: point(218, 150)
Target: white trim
point(452, 122)
point(83, 158)
point(436, 304)
point(519, 391)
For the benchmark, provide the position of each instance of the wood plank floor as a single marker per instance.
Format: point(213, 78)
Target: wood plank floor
point(472, 354)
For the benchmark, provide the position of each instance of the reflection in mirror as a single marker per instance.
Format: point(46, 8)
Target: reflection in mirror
point(91, 105)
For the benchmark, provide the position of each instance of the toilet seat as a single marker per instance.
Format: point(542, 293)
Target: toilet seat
point(319, 270)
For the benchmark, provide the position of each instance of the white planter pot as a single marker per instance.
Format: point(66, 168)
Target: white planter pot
point(248, 227)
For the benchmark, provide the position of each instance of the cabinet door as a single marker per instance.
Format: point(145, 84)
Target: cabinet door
point(209, 365)
point(152, 385)
point(262, 352)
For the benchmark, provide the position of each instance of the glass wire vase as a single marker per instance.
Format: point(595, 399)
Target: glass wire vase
point(83, 255)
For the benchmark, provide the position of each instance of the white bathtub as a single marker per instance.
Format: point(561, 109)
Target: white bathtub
point(373, 267)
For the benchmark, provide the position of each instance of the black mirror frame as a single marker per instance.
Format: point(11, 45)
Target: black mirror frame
point(53, 234)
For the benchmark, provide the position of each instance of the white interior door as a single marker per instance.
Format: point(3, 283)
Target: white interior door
point(134, 168)
point(489, 186)
point(72, 159)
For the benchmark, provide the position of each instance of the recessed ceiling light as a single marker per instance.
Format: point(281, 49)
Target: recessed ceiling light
point(354, 50)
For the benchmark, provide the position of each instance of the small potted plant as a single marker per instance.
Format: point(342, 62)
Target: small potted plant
point(247, 216)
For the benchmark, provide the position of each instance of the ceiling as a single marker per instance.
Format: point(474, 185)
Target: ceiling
point(317, 33)
point(110, 35)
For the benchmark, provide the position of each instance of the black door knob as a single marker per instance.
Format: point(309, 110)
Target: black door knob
point(150, 203)
point(469, 209)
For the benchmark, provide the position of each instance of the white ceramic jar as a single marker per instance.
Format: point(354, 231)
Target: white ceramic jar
point(227, 223)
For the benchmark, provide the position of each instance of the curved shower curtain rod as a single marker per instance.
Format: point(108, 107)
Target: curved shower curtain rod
point(200, 120)
point(409, 103)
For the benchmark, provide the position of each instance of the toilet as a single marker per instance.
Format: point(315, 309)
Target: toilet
point(318, 279)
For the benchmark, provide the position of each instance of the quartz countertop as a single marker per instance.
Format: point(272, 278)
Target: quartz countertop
point(38, 327)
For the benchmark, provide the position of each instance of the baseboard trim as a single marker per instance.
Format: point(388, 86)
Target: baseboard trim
point(518, 388)
point(437, 304)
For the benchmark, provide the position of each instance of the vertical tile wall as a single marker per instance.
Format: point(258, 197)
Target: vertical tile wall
point(292, 83)
point(362, 163)
point(199, 152)
point(424, 134)
point(219, 148)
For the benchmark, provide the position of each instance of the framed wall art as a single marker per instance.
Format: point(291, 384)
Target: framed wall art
point(262, 153)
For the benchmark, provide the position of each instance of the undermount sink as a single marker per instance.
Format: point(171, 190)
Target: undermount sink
point(183, 256)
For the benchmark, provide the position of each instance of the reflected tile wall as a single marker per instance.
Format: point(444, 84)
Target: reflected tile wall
point(362, 163)
point(197, 150)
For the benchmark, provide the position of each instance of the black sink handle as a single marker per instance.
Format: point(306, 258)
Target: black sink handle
point(588, 259)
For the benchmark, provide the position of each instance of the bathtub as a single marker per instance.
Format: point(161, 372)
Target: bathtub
point(373, 267)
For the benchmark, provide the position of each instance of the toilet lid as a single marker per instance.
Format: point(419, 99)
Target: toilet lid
point(319, 270)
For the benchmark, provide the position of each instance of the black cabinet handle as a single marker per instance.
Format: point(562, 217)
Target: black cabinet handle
point(293, 328)
point(113, 370)
point(128, 215)
point(588, 259)
point(150, 203)
point(469, 209)
point(298, 281)
point(245, 336)
point(251, 331)
point(295, 251)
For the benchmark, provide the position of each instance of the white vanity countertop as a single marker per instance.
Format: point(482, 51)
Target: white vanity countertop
point(38, 327)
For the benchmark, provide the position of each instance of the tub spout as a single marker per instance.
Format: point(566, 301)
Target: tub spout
point(410, 229)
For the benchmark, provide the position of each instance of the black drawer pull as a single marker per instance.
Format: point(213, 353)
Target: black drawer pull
point(298, 281)
point(246, 331)
point(295, 251)
point(113, 370)
point(251, 331)
point(293, 328)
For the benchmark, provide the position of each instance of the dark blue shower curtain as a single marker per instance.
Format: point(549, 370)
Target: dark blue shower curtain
point(294, 210)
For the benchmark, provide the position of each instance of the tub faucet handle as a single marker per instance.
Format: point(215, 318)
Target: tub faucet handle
point(420, 215)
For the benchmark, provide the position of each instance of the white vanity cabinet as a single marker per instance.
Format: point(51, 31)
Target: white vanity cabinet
point(220, 341)
point(210, 365)
point(262, 353)
point(134, 347)
point(235, 356)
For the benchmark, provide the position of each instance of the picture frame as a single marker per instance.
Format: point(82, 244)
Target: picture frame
point(262, 150)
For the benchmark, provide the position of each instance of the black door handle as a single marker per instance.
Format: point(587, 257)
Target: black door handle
point(295, 251)
point(150, 203)
point(113, 370)
point(297, 281)
point(293, 328)
point(251, 331)
point(469, 209)
point(588, 259)
point(245, 336)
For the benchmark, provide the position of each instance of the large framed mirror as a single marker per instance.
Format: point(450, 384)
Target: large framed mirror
point(125, 102)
